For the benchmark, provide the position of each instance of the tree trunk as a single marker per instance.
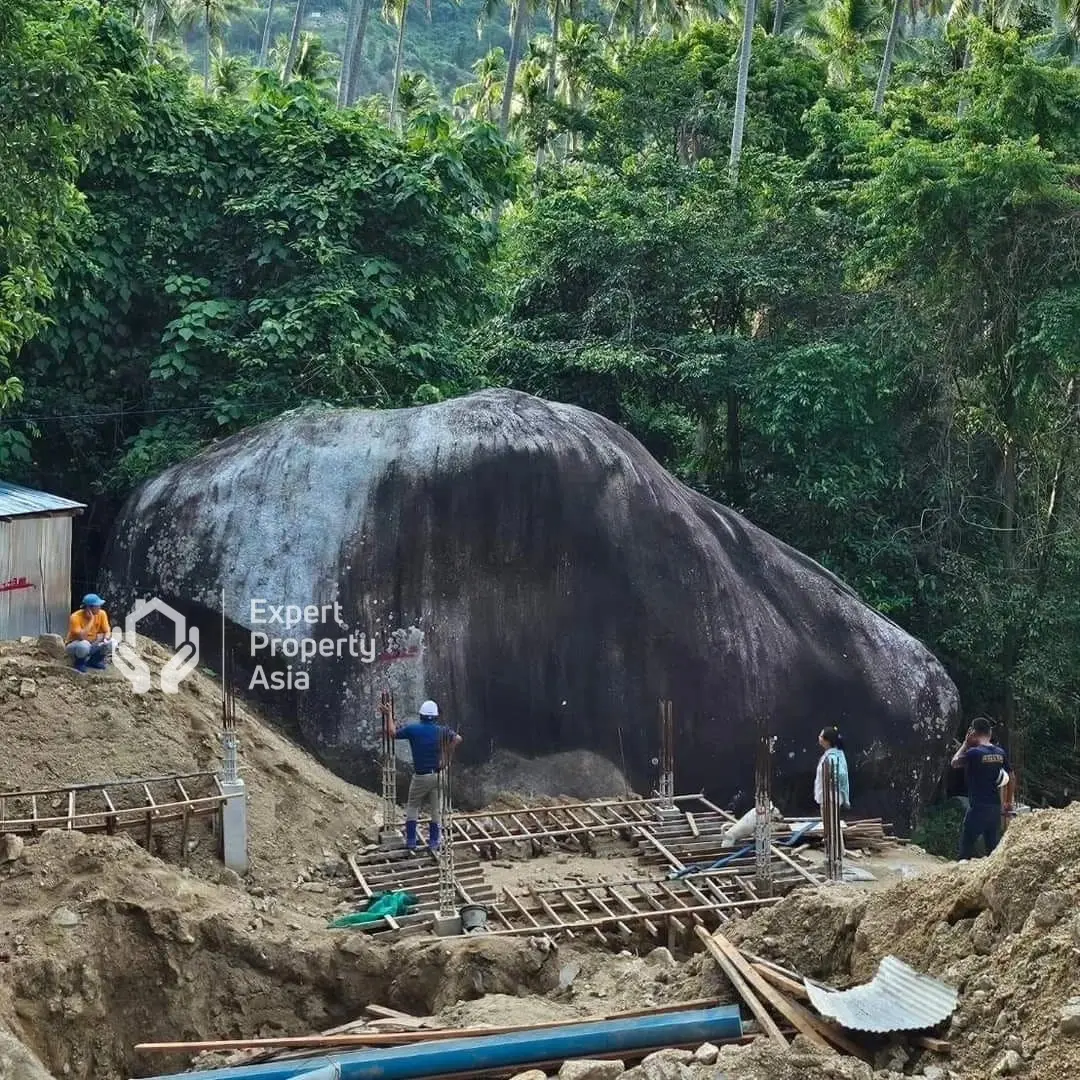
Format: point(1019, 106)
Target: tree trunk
point(398, 58)
point(347, 54)
point(778, 18)
point(264, 48)
point(976, 7)
point(733, 462)
point(740, 90)
point(294, 40)
point(890, 51)
point(206, 47)
point(517, 33)
point(556, 12)
point(357, 64)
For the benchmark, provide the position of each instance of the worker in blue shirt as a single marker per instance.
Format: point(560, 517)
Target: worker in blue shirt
point(428, 741)
point(987, 767)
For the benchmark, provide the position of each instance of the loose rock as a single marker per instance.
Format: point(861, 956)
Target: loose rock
point(1009, 1064)
point(661, 956)
point(1070, 1017)
point(11, 847)
point(587, 1069)
point(706, 1054)
point(27, 688)
point(531, 1074)
point(63, 916)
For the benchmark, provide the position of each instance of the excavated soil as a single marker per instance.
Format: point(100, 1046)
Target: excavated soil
point(58, 727)
point(103, 944)
point(1005, 931)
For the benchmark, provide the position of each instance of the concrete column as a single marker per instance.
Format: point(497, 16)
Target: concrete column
point(234, 826)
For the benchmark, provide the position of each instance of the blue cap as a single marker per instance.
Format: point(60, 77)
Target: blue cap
point(92, 600)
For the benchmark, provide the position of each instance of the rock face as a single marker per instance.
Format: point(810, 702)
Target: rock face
point(533, 569)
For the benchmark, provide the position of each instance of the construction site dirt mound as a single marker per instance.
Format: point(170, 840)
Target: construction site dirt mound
point(1005, 931)
point(104, 946)
point(58, 727)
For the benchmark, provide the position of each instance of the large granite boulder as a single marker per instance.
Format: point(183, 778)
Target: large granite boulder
point(533, 569)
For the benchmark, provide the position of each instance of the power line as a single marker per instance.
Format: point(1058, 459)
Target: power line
point(140, 412)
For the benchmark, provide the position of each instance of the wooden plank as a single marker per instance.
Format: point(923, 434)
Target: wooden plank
point(795, 1015)
point(742, 987)
point(598, 901)
point(579, 911)
point(828, 1031)
point(676, 865)
point(650, 926)
point(935, 1046)
point(548, 910)
point(383, 1013)
point(364, 887)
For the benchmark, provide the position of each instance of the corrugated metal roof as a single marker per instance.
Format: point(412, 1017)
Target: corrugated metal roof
point(898, 998)
point(17, 501)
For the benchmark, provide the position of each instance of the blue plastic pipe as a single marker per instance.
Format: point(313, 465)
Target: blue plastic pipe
point(499, 1051)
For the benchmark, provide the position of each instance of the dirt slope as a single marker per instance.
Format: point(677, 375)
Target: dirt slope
point(1004, 930)
point(59, 727)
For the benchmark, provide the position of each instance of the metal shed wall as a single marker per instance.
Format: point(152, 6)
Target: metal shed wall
point(35, 576)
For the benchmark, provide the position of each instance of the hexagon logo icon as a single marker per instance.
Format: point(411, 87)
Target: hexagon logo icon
point(135, 669)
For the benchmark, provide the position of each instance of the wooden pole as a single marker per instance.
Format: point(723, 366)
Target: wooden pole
point(742, 987)
point(396, 1038)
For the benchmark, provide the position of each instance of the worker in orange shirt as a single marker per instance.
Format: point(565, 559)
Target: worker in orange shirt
point(89, 638)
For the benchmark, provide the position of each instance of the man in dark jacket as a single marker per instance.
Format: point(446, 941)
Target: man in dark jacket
point(987, 768)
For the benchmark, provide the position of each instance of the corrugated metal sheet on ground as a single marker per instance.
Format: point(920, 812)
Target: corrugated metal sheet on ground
point(16, 500)
point(898, 998)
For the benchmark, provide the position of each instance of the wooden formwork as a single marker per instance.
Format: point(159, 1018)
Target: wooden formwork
point(535, 828)
point(399, 871)
point(137, 806)
point(668, 901)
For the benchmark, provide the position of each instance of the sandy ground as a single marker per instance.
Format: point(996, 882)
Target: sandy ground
point(103, 944)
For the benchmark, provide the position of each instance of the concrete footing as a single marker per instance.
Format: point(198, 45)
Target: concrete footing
point(391, 839)
point(234, 826)
point(447, 925)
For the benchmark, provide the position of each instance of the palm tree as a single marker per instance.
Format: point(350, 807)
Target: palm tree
point(157, 16)
point(294, 40)
point(416, 94)
point(519, 32)
point(396, 11)
point(840, 32)
point(740, 91)
point(478, 99)
point(895, 22)
point(214, 16)
point(264, 48)
point(231, 73)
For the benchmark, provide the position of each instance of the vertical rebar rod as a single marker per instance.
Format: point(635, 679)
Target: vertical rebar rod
point(389, 762)
point(763, 816)
point(445, 854)
point(830, 818)
point(230, 770)
point(667, 757)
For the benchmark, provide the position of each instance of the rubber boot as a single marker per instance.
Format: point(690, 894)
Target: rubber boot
point(81, 668)
point(433, 836)
point(410, 835)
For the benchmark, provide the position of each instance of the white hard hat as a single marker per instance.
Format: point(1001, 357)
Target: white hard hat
point(429, 708)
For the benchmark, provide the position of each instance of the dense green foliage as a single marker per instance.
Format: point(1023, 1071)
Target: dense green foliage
point(866, 339)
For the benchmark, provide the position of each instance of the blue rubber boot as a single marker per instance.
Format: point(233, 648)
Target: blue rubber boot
point(410, 835)
point(433, 836)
